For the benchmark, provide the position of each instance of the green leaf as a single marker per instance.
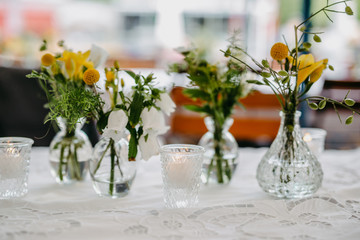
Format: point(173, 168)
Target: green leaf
point(257, 82)
point(349, 11)
point(43, 46)
point(313, 106)
point(197, 93)
point(227, 53)
point(317, 38)
point(200, 109)
point(349, 120)
point(331, 67)
point(265, 74)
point(136, 108)
point(285, 80)
point(307, 45)
point(265, 63)
point(350, 102)
point(283, 73)
point(103, 121)
point(322, 104)
point(132, 74)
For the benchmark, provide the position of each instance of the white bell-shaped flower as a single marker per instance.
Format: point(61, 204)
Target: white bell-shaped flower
point(154, 120)
point(98, 55)
point(166, 104)
point(150, 146)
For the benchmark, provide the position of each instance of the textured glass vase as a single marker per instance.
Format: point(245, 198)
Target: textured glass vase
point(221, 156)
point(289, 169)
point(111, 172)
point(70, 152)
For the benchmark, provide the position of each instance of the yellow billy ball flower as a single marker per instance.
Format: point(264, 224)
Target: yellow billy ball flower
point(91, 76)
point(47, 60)
point(279, 51)
point(110, 76)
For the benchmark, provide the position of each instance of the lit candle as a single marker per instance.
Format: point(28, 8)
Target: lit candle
point(315, 139)
point(179, 171)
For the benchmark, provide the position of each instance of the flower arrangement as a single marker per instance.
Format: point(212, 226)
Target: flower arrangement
point(134, 113)
point(296, 70)
point(218, 87)
point(289, 169)
point(68, 80)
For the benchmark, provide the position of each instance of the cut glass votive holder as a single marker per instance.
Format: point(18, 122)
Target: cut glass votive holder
point(181, 170)
point(14, 166)
point(315, 139)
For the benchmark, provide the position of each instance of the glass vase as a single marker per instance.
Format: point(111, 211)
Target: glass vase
point(111, 172)
point(70, 152)
point(289, 169)
point(221, 152)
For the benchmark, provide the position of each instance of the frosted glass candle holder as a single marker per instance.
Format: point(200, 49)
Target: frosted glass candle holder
point(181, 170)
point(14, 166)
point(315, 139)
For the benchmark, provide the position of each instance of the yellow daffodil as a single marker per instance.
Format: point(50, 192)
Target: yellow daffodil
point(279, 51)
point(47, 60)
point(74, 63)
point(309, 68)
point(91, 76)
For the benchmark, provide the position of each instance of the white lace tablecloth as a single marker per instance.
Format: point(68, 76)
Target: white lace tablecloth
point(237, 211)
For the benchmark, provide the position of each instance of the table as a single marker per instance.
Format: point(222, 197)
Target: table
point(237, 211)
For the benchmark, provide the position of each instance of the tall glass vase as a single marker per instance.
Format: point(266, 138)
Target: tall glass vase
point(70, 152)
point(111, 172)
point(289, 169)
point(221, 152)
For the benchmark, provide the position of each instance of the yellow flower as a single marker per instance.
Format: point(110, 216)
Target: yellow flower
point(110, 76)
point(91, 76)
point(279, 51)
point(47, 60)
point(309, 68)
point(74, 62)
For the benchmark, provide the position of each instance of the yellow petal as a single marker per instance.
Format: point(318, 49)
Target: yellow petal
point(315, 75)
point(305, 61)
point(305, 72)
point(86, 54)
point(70, 67)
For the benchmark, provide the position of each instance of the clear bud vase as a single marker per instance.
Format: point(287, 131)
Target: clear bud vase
point(111, 172)
point(289, 169)
point(221, 152)
point(70, 152)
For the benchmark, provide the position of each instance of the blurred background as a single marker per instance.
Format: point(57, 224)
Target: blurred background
point(144, 33)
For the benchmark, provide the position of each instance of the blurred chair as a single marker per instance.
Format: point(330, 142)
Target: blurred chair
point(22, 111)
point(255, 126)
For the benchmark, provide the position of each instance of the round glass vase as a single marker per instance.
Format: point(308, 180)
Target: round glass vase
point(289, 169)
point(111, 172)
point(221, 152)
point(70, 152)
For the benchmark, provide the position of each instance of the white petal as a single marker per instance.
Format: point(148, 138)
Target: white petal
point(114, 134)
point(166, 104)
point(117, 120)
point(154, 120)
point(98, 55)
point(150, 147)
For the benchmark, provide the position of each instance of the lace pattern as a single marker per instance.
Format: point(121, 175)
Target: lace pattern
point(238, 211)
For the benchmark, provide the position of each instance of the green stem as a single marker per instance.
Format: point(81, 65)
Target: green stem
point(101, 158)
point(218, 150)
point(61, 163)
point(112, 166)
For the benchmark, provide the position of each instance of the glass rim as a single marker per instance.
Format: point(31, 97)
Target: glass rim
point(15, 141)
point(169, 147)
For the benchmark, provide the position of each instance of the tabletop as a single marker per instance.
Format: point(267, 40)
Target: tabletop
point(239, 210)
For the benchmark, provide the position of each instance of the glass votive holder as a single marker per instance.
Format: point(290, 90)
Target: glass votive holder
point(315, 139)
point(181, 170)
point(14, 166)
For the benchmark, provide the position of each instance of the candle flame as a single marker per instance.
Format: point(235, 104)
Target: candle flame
point(307, 137)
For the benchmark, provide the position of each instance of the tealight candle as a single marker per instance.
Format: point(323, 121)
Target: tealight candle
point(181, 169)
point(14, 166)
point(315, 139)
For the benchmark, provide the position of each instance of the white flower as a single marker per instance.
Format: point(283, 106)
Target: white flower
point(166, 104)
point(117, 120)
point(98, 55)
point(154, 120)
point(114, 134)
point(150, 147)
